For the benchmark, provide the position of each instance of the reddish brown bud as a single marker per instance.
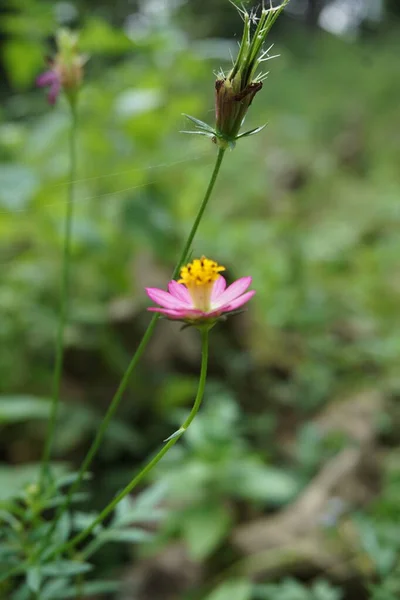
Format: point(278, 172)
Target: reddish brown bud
point(231, 107)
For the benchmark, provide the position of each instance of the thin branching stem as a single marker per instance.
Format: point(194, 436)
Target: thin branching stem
point(154, 461)
point(65, 280)
point(140, 349)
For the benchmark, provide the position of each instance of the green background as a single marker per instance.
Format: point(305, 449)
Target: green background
point(309, 208)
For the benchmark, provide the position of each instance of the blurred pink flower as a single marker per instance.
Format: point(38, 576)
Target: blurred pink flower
point(66, 68)
point(200, 295)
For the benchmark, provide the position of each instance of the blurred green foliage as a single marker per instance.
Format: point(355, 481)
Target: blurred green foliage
point(309, 208)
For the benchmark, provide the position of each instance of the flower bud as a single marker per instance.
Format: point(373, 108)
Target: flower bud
point(66, 68)
point(235, 91)
point(68, 61)
point(231, 107)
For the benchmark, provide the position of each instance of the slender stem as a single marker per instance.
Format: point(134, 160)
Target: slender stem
point(65, 277)
point(114, 404)
point(140, 349)
point(202, 380)
point(203, 206)
point(156, 459)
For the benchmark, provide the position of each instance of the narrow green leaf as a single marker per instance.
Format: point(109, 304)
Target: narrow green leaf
point(206, 133)
point(145, 507)
point(176, 434)
point(34, 579)
point(132, 535)
point(91, 588)
point(70, 478)
point(63, 528)
point(235, 589)
point(204, 527)
point(13, 479)
point(65, 568)
point(60, 499)
point(22, 408)
point(200, 124)
point(9, 518)
point(54, 589)
point(251, 132)
point(82, 520)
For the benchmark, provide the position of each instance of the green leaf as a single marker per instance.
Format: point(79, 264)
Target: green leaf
point(257, 482)
point(235, 589)
point(69, 478)
point(176, 434)
point(251, 132)
point(206, 133)
point(65, 568)
point(200, 124)
point(323, 590)
point(34, 579)
point(61, 588)
point(54, 589)
point(9, 518)
point(382, 554)
point(204, 527)
point(63, 528)
point(132, 535)
point(60, 499)
point(91, 588)
point(142, 508)
point(82, 520)
point(23, 593)
point(14, 409)
point(13, 479)
point(291, 589)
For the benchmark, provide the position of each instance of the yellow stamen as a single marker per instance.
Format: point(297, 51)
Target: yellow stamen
point(199, 277)
point(200, 272)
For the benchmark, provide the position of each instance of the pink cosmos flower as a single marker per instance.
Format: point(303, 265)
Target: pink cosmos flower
point(65, 69)
point(200, 295)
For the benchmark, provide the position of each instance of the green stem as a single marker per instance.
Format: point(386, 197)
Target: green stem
point(114, 404)
point(140, 349)
point(153, 462)
point(64, 300)
point(203, 206)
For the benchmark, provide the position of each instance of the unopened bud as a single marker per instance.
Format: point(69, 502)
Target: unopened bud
point(230, 108)
point(66, 69)
point(234, 92)
point(68, 61)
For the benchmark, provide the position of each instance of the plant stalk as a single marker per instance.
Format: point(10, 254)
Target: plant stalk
point(65, 280)
point(140, 349)
point(154, 461)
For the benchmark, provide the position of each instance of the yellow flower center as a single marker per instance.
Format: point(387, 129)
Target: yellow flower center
point(200, 271)
point(199, 277)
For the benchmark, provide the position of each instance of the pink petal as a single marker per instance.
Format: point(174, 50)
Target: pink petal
point(53, 92)
point(177, 314)
point(165, 299)
point(239, 301)
point(213, 313)
point(47, 78)
point(172, 314)
point(232, 292)
point(179, 291)
point(219, 287)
